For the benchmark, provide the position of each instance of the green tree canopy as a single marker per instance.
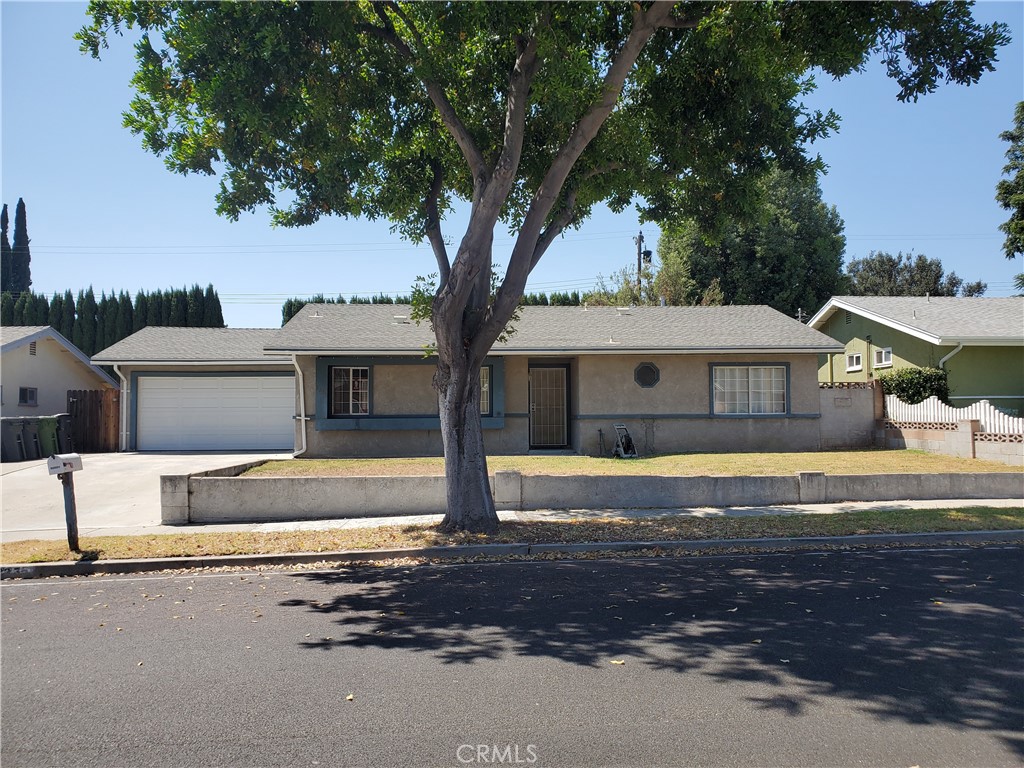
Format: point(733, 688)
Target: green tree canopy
point(882, 274)
point(789, 255)
point(1010, 191)
point(532, 112)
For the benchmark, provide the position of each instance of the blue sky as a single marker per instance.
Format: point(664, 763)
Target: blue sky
point(101, 211)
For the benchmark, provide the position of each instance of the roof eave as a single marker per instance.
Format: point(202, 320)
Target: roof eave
point(220, 361)
point(610, 349)
point(835, 304)
point(981, 341)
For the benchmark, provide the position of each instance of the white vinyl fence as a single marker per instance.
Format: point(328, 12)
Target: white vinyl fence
point(933, 411)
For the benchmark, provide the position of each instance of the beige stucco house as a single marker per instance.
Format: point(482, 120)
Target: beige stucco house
point(352, 380)
point(37, 368)
point(679, 378)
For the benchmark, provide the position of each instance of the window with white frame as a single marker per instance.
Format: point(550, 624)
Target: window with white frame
point(854, 362)
point(883, 357)
point(485, 390)
point(350, 391)
point(749, 389)
point(28, 396)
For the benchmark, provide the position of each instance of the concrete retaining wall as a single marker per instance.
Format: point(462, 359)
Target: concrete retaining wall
point(207, 499)
point(221, 500)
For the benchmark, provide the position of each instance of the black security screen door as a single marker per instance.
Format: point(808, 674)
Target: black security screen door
point(549, 423)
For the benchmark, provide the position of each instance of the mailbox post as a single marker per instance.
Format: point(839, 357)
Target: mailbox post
point(64, 465)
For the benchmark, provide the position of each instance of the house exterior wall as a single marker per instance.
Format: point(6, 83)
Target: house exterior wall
point(995, 374)
point(975, 373)
point(52, 371)
point(672, 416)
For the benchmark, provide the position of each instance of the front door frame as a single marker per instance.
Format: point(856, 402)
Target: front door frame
point(567, 368)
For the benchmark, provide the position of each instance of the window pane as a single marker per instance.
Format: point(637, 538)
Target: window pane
point(485, 390)
point(360, 390)
point(350, 391)
point(749, 389)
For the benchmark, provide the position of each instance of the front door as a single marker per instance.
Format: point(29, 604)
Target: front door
point(549, 412)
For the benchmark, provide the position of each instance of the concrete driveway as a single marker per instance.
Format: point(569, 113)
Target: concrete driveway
point(113, 491)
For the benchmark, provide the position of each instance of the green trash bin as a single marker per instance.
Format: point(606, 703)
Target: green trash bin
point(48, 443)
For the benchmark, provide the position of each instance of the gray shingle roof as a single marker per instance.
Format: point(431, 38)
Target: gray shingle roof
point(943, 319)
point(181, 345)
point(9, 334)
point(384, 328)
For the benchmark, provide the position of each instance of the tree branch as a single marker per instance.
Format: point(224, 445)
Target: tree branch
point(433, 225)
point(435, 92)
point(524, 253)
point(526, 66)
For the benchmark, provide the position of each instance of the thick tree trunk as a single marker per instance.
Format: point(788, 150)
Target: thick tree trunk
point(470, 503)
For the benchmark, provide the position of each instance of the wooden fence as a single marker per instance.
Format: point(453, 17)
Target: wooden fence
point(95, 419)
point(934, 411)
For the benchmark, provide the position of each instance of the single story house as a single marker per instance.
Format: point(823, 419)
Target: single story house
point(353, 380)
point(979, 342)
point(37, 368)
point(680, 378)
point(203, 389)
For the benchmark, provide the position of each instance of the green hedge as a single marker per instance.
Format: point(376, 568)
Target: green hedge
point(912, 385)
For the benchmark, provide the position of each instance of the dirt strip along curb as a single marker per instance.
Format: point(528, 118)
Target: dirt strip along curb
point(90, 567)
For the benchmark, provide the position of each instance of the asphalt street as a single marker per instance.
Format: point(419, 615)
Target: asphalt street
point(892, 657)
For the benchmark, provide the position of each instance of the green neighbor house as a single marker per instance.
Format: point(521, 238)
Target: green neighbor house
point(978, 341)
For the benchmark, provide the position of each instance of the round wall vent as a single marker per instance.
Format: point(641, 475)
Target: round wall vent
point(647, 375)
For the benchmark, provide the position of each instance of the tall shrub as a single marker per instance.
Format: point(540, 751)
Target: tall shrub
point(912, 385)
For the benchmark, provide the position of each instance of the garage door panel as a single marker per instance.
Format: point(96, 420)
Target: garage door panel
point(215, 412)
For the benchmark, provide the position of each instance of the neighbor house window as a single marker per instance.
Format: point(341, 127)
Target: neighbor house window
point(854, 362)
point(485, 390)
point(883, 357)
point(27, 396)
point(350, 391)
point(752, 389)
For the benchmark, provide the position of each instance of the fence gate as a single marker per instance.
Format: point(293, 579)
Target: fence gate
point(95, 419)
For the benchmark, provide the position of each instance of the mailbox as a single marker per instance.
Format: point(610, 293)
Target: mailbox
point(60, 463)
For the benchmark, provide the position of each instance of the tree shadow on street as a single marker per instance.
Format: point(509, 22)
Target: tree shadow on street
point(926, 639)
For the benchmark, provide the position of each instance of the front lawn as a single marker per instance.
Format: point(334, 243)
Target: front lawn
point(859, 462)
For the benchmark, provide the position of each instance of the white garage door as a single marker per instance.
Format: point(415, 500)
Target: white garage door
point(188, 413)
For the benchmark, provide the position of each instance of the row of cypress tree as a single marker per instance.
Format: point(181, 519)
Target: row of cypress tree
point(15, 270)
point(93, 325)
point(291, 307)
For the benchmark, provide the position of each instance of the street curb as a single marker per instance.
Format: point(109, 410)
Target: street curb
point(92, 567)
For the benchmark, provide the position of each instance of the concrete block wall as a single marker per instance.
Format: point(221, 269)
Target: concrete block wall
point(963, 442)
point(848, 416)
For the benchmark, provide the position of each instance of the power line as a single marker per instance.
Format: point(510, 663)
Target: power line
point(279, 247)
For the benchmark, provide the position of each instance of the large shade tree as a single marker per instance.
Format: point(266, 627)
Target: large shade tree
point(882, 274)
point(532, 112)
point(788, 256)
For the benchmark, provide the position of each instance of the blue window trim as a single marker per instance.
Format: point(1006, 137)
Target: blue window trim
point(711, 392)
point(399, 422)
point(133, 403)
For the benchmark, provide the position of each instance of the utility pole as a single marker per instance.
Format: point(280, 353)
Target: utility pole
point(642, 257)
